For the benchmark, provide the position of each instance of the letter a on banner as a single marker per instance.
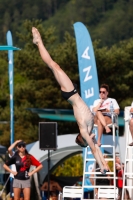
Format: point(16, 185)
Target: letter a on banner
point(88, 76)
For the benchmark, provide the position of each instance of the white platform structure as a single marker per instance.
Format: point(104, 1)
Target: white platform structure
point(72, 192)
point(128, 170)
point(111, 150)
point(66, 148)
point(104, 193)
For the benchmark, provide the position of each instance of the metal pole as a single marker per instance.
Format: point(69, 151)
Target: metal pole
point(48, 173)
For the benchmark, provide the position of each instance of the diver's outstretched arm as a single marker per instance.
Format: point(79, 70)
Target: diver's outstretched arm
point(95, 151)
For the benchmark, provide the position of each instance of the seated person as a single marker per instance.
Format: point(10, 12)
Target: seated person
point(54, 188)
point(131, 124)
point(103, 105)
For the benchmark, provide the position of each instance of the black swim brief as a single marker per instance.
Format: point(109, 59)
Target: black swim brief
point(67, 95)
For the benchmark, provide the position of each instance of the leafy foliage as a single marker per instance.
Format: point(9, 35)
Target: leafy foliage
point(35, 85)
point(115, 68)
point(70, 167)
point(110, 20)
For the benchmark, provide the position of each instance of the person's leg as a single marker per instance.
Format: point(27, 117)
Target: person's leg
point(61, 77)
point(21, 195)
point(11, 189)
point(17, 193)
point(103, 121)
point(100, 129)
point(26, 192)
point(99, 119)
point(108, 120)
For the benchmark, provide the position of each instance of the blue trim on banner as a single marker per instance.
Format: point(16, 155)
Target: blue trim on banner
point(88, 78)
point(11, 85)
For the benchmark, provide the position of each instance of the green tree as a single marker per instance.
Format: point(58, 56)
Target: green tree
point(35, 85)
point(70, 167)
point(107, 20)
point(115, 68)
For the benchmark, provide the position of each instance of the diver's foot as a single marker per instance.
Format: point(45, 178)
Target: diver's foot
point(107, 129)
point(36, 36)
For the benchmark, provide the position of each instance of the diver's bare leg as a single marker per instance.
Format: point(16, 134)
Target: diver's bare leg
point(61, 77)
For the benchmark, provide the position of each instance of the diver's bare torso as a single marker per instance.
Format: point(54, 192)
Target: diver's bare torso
point(82, 112)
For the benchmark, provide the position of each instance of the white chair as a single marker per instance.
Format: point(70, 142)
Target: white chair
point(60, 196)
point(72, 191)
point(108, 193)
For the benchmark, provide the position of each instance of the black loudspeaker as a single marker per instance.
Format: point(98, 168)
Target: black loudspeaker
point(48, 135)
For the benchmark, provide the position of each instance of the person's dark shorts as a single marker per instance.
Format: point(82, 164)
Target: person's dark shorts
point(11, 189)
point(21, 183)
